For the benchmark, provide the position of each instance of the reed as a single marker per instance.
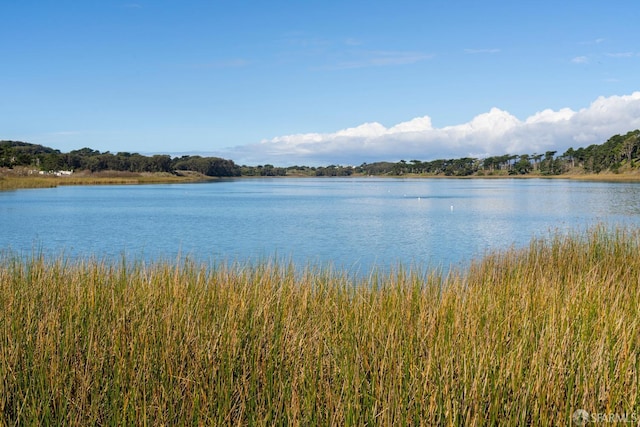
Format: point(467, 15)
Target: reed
point(523, 337)
point(12, 182)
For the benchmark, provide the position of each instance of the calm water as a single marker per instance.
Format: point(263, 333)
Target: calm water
point(352, 223)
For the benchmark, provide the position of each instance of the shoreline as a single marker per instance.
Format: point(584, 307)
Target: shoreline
point(19, 180)
point(15, 180)
point(604, 177)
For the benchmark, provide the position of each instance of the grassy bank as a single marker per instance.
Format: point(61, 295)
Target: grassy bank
point(524, 337)
point(14, 181)
point(627, 176)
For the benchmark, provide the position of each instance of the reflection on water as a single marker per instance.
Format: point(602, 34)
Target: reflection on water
point(356, 223)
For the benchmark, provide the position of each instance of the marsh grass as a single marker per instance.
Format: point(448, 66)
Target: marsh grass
point(15, 181)
point(523, 337)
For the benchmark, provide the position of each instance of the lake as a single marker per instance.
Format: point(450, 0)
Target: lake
point(351, 223)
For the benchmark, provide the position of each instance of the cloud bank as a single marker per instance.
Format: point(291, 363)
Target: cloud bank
point(496, 132)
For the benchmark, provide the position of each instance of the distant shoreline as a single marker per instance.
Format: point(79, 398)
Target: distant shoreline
point(602, 177)
point(13, 180)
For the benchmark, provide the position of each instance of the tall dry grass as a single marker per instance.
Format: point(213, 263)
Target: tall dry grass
point(523, 337)
point(15, 181)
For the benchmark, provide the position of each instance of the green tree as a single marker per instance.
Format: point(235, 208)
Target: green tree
point(523, 165)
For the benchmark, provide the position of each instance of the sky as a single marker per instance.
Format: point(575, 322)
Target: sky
point(318, 82)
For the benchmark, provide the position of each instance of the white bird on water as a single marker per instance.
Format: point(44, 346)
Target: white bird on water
point(451, 208)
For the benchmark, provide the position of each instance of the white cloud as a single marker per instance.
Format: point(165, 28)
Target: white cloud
point(621, 55)
point(580, 60)
point(493, 133)
point(550, 116)
point(419, 124)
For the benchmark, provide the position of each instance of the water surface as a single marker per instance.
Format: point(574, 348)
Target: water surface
point(355, 223)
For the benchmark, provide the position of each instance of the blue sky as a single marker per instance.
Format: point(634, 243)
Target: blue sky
point(319, 82)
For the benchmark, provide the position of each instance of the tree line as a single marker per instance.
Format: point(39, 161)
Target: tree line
point(618, 153)
point(16, 153)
